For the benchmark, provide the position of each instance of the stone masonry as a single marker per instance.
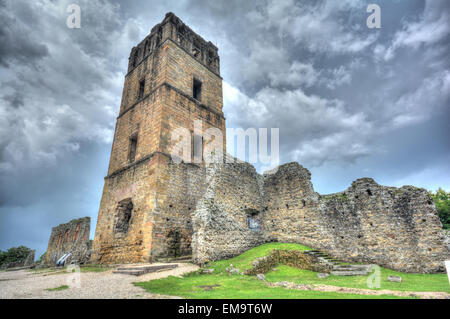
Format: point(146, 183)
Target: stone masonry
point(173, 80)
point(153, 207)
point(393, 227)
point(71, 237)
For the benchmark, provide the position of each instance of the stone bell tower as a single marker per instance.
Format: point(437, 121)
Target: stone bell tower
point(173, 79)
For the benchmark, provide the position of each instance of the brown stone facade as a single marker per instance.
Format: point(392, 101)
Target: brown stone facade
point(173, 80)
point(71, 237)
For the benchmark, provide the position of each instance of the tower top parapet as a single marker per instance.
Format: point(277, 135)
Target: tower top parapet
point(172, 28)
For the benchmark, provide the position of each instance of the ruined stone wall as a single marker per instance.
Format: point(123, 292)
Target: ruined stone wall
point(394, 227)
point(229, 219)
point(71, 237)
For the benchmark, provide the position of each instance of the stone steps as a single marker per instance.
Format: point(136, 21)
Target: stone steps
point(181, 259)
point(338, 268)
point(142, 270)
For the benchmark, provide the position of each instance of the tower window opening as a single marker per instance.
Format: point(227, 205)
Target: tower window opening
point(141, 89)
point(197, 90)
point(133, 147)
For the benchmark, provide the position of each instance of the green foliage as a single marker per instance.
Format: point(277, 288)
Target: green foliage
point(441, 199)
point(14, 254)
point(41, 259)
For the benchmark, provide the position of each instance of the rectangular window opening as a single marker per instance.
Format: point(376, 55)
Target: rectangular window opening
point(133, 147)
point(197, 90)
point(141, 89)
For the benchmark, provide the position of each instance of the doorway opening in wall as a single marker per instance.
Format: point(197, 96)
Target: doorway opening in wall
point(174, 243)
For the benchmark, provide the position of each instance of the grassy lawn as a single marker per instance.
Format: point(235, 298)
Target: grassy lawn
point(93, 268)
point(63, 270)
point(221, 284)
point(410, 282)
point(244, 261)
point(234, 287)
point(58, 288)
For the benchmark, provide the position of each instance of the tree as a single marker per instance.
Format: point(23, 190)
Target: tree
point(441, 199)
point(14, 254)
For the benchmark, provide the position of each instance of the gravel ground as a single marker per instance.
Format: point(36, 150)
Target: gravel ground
point(92, 285)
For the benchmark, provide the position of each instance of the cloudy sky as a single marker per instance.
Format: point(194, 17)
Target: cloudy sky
point(350, 101)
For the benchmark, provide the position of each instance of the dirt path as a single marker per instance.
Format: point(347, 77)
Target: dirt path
point(327, 288)
point(93, 285)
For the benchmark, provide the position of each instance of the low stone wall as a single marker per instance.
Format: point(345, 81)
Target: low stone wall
point(394, 227)
point(292, 258)
point(71, 237)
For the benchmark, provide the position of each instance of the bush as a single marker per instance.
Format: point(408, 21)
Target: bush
point(14, 254)
point(441, 199)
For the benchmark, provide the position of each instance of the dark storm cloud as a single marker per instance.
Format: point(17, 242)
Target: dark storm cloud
point(16, 43)
point(349, 101)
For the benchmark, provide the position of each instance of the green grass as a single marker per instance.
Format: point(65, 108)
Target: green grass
point(93, 269)
point(64, 287)
point(87, 268)
point(410, 282)
point(236, 287)
point(244, 261)
point(241, 286)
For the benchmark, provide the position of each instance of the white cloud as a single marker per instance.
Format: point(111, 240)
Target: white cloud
point(313, 129)
point(433, 26)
